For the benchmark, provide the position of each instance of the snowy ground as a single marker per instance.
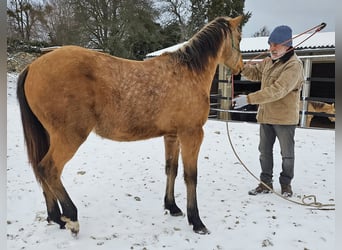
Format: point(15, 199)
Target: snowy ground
point(119, 189)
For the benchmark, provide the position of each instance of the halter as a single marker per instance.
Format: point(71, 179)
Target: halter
point(233, 44)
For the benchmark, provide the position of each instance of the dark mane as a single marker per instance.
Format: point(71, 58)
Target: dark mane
point(316, 104)
point(203, 45)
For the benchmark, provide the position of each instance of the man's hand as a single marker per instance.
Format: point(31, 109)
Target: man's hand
point(240, 101)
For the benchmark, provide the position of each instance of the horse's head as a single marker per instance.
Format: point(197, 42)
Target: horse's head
point(231, 54)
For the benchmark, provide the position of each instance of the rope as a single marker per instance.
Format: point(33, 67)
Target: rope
point(306, 200)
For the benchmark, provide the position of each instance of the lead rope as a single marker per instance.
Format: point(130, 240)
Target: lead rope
point(307, 199)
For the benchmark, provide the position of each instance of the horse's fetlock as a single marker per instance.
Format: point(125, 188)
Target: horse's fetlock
point(173, 208)
point(73, 226)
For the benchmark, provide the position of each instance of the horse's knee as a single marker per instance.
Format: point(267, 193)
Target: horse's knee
point(190, 176)
point(171, 168)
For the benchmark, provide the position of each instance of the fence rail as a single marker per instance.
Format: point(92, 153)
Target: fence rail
point(219, 97)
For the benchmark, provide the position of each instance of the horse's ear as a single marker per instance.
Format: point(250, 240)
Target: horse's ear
point(235, 22)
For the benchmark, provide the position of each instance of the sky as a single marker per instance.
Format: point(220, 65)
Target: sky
point(300, 15)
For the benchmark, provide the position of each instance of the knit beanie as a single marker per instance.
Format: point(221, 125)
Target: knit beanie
point(281, 34)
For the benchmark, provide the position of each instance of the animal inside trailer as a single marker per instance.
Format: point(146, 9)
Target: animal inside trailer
point(318, 108)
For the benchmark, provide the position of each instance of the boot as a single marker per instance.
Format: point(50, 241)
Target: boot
point(286, 190)
point(261, 189)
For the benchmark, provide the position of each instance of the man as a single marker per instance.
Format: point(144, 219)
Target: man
point(281, 77)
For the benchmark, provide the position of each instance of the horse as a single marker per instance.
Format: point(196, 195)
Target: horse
point(68, 93)
point(319, 107)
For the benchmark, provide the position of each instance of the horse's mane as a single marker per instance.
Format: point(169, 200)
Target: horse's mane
point(316, 104)
point(203, 45)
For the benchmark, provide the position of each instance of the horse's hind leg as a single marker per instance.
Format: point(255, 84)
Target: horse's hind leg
point(171, 169)
point(190, 142)
point(54, 213)
point(49, 172)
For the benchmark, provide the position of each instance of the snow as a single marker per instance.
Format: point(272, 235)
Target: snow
point(119, 187)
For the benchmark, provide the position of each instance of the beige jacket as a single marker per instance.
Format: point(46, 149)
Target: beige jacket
point(279, 95)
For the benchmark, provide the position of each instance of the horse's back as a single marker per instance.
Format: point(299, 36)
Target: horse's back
point(120, 99)
point(60, 88)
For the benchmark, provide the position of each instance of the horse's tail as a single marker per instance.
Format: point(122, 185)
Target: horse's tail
point(35, 135)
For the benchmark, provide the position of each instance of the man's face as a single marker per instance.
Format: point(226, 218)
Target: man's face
point(277, 50)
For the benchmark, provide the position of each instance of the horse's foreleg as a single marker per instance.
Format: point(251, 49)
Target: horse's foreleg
point(171, 169)
point(190, 145)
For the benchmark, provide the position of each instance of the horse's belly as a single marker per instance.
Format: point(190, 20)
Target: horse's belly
point(128, 134)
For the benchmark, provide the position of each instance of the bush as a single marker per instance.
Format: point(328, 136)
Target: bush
point(16, 45)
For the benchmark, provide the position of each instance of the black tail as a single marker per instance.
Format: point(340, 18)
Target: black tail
point(35, 135)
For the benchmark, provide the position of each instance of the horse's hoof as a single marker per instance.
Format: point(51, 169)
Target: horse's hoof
point(202, 231)
point(180, 213)
point(173, 209)
point(74, 226)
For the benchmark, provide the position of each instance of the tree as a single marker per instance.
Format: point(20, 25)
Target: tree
point(141, 32)
point(175, 14)
point(192, 15)
point(262, 32)
point(126, 28)
point(61, 27)
point(122, 28)
point(23, 16)
point(231, 8)
point(198, 16)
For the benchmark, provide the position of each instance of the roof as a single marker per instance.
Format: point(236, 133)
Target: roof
point(256, 44)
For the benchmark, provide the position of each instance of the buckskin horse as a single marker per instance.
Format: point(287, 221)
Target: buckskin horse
point(66, 94)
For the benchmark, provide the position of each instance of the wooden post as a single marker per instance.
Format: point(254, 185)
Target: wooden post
point(225, 90)
point(306, 90)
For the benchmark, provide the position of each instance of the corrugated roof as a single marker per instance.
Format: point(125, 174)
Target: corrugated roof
point(318, 40)
point(255, 44)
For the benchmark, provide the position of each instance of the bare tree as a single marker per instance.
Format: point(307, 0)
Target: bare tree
point(198, 16)
point(61, 27)
point(23, 16)
point(176, 12)
point(191, 15)
point(262, 32)
point(98, 19)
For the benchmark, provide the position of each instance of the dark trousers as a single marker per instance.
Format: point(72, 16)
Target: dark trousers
point(285, 135)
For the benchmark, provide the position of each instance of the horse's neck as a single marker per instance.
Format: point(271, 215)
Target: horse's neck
point(206, 77)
